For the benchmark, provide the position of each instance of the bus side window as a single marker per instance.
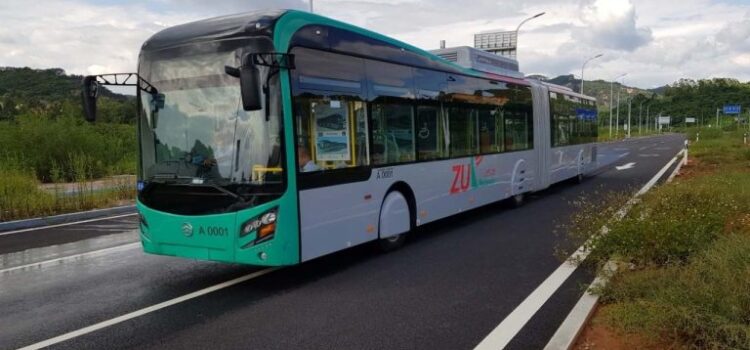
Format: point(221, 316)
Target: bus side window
point(430, 135)
point(462, 130)
point(331, 133)
point(490, 130)
point(393, 132)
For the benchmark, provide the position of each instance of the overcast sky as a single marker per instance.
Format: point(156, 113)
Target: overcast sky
point(655, 41)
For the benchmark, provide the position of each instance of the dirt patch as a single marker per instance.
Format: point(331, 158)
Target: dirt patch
point(596, 335)
point(738, 223)
point(696, 168)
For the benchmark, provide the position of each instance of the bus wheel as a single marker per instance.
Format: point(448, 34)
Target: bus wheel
point(518, 200)
point(396, 220)
point(392, 243)
point(580, 178)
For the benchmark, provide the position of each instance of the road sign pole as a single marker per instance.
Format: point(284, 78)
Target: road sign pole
point(717, 117)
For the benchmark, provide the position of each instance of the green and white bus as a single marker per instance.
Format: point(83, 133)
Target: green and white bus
point(273, 138)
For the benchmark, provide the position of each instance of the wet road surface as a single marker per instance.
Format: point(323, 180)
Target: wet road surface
point(448, 288)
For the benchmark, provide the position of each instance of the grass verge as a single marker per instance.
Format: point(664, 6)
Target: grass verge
point(685, 252)
point(21, 196)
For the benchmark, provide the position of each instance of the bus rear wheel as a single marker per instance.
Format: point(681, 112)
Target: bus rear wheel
point(518, 200)
point(392, 243)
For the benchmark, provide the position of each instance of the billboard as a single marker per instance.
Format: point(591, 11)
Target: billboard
point(689, 120)
point(665, 120)
point(498, 42)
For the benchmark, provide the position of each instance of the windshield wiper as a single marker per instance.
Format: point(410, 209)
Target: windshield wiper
point(174, 179)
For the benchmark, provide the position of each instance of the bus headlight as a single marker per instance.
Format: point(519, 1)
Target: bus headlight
point(263, 225)
point(268, 218)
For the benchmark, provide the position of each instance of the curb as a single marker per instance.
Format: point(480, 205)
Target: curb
point(65, 218)
point(572, 327)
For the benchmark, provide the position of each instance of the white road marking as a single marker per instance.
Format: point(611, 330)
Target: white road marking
point(517, 319)
point(66, 224)
point(625, 166)
point(649, 155)
point(73, 257)
point(147, 310)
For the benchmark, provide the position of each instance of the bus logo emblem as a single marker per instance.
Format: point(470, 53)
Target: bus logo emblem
point(187, 229)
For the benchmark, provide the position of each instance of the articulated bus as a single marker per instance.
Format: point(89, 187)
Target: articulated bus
point(278, 137)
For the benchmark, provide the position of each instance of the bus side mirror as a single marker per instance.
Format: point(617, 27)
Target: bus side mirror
point(249, 83)
point(89, 92)
point(250, 87)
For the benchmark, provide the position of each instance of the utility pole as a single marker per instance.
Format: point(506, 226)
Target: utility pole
point(640, 119)
point(611, 108)
point(617, 123)
point(630, 126)
point(311, 7)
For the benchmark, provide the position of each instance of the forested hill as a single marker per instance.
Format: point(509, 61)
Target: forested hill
point(600, 89)
point(45, 91)
point(681, 99)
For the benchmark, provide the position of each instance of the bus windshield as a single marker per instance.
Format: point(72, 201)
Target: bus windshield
point(194, 131)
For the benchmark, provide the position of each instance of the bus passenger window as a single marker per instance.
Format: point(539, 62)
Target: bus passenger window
point(392, 133)
point(463, 136)
point(490, 130)
point(517, 130)
point(429, 133)
point(331, 133)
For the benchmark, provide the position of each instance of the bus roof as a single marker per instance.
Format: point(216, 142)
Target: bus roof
point(262, 23)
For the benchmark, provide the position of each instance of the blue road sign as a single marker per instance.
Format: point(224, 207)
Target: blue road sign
point(731, 109)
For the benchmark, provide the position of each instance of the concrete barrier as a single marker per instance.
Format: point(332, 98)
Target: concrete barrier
point(64, 218)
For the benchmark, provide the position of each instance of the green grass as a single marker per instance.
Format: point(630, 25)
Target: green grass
point(35, 148)
point(50, 146)
point(684, 251)
point(21, 197)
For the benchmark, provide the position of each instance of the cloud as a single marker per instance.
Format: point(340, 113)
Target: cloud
point(656, 42)
point(611, 24)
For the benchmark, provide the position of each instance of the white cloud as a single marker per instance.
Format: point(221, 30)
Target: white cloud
point(611, 24)
point(656, 42)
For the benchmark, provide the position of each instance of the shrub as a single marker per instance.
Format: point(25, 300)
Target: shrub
point(50, 146)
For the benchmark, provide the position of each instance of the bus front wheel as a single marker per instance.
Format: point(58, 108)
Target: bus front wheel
point(392, 243)
point(395, 221)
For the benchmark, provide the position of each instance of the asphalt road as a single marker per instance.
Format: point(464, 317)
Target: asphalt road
point(448, 288)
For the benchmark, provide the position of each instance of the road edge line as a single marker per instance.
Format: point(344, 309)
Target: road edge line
point(509, 327)
point(62, 259)
point(146, 310)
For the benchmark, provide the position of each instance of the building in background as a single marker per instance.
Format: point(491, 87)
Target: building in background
point(502, 43)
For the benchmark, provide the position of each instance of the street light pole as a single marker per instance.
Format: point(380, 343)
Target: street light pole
point(526, 20)
point(630, 126)
point(640, 117)
point(522, 22)
point(611, 84)
point(584, 66)
point(617, 122)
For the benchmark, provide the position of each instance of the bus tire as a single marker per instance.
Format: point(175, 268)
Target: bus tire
point(391, 243)
point(518, 200)
point(580, 178)
point(399, 200)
